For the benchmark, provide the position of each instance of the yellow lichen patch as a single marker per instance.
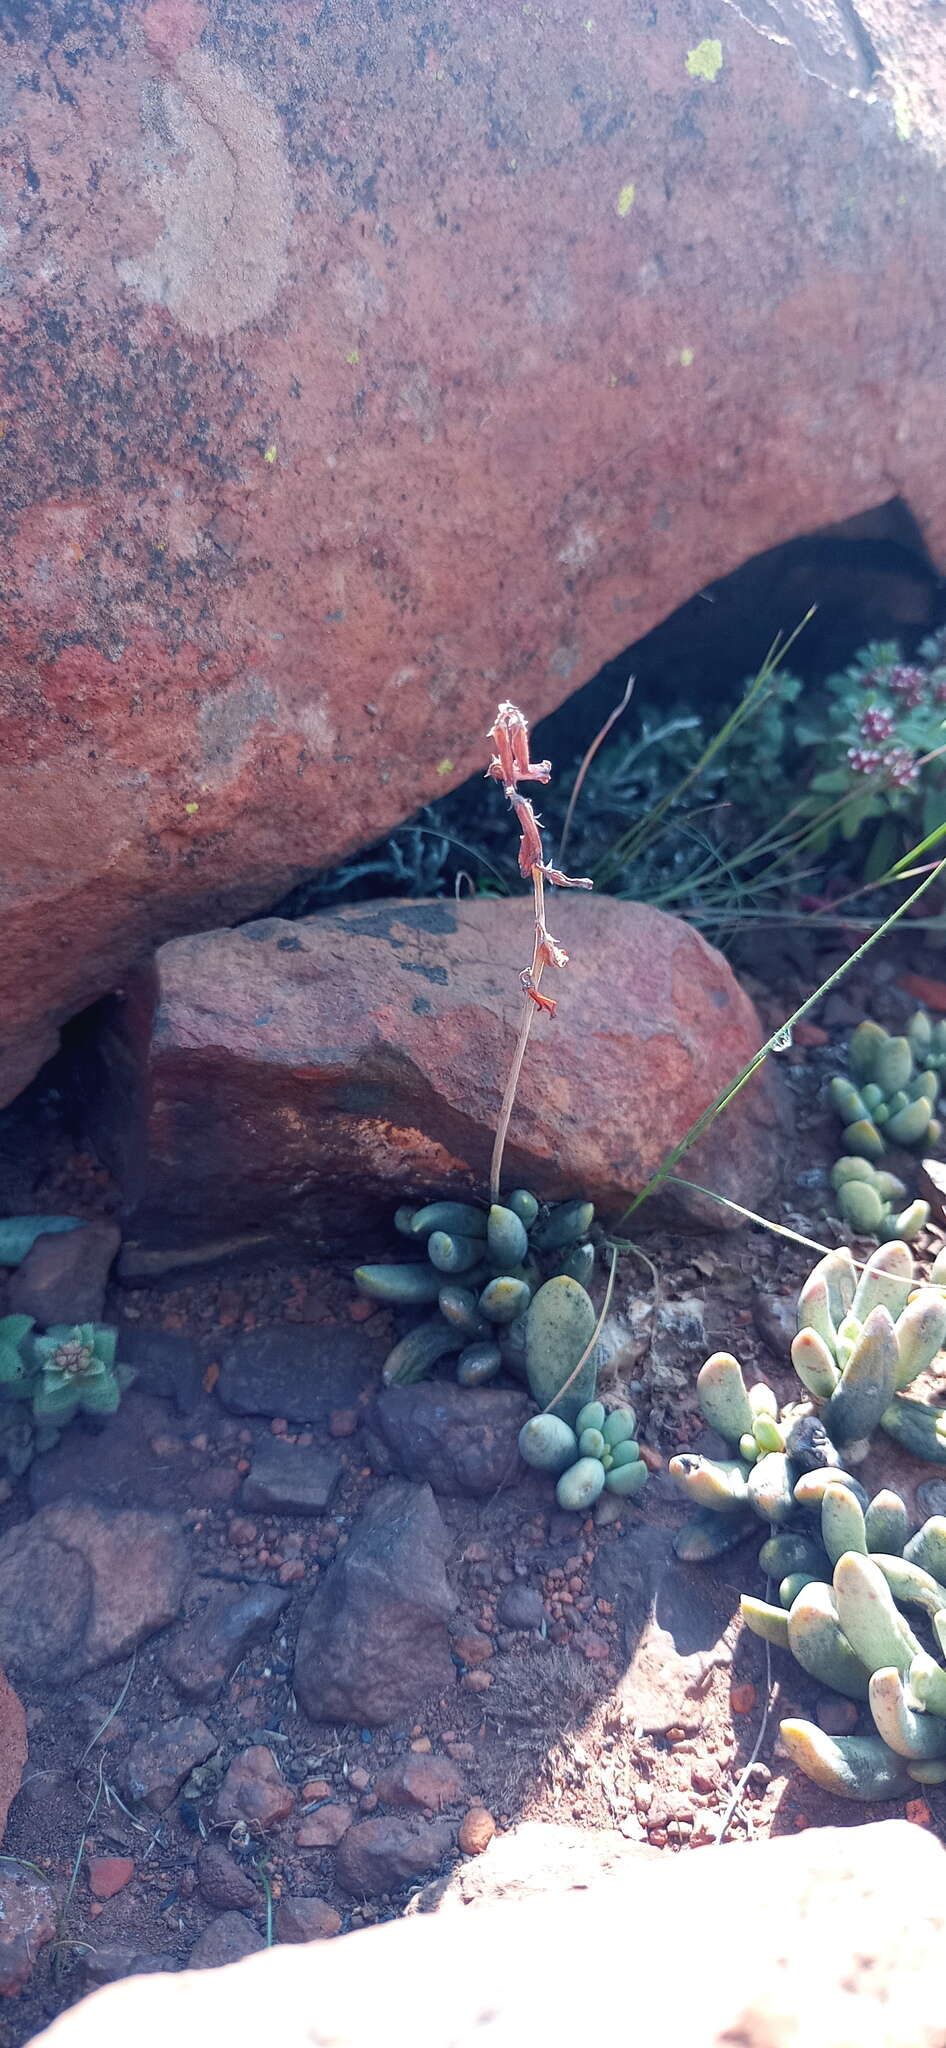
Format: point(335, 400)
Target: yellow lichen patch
point(686, 357)
point(189, 809)
point(902, 115)
point(270, 454)
point(625, 200)
point(445, 767)
point(706, 60)
point(353, 357)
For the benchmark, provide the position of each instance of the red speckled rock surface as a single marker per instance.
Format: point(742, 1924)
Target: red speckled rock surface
point(366, 363)
point(309, 1076)
point(13, 1748)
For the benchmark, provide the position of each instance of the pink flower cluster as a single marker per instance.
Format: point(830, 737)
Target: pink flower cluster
point(909, 684)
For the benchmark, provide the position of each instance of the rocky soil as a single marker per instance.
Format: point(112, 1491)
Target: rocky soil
point(289, 1653)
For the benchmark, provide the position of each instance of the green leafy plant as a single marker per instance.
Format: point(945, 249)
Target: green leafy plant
point(875, 739)
point(48, 1378)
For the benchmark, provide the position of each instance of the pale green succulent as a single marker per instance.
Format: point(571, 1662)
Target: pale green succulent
point(888, 1100)
point(600, 1452)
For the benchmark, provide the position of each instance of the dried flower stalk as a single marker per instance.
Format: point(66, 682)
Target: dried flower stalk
point(509, 766)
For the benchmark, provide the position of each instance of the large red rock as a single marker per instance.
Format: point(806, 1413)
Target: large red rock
point(311, 1075)
point(368, 364)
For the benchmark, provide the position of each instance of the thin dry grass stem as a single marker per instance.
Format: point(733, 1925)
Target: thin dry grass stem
point(511, 765)
point(599, 739)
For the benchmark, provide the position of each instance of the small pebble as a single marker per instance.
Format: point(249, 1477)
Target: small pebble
point(109, 1874)
point(477, 1829)
point(742, 1699)
point(343, 1422)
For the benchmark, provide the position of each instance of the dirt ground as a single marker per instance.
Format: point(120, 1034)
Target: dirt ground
point(543, 1722)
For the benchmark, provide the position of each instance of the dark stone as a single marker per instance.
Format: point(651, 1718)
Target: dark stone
point(115, 1961)
point(27, 1922)
point(776, 1319)
point(379, 1855)
point(373, 1642)
point(64, 1275)
point(931, 1497)
point(82, 1584)
point(300, 1372)
point(461, 1440)
point(306, 1919)
point(165, 1363)
point(222, 1880)
point(290, 1479)
point(521, 1607)
point(254, 1790)
point(201, 1654)
point(227, 1940)
point(159, 1763)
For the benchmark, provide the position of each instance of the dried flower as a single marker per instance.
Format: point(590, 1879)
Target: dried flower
point(511, 765)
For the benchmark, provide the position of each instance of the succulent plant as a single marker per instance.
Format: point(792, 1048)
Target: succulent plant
point(601, 1451)
point(867, 1649)
point(46, 1379)
point(888, 1099)
point(483, 1271)
point(927, 1042)
point(845, 1566)
point(77, 1372)
point(860, 1342)
point(874, 1202)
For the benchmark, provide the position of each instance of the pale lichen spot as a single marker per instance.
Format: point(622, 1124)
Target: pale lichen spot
point(625, 200)
point(217, 180)
point(270, 454)
point(353, 357)
point(902, 114)
point(445, 767)
point(706, 60)
point(686, 357)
